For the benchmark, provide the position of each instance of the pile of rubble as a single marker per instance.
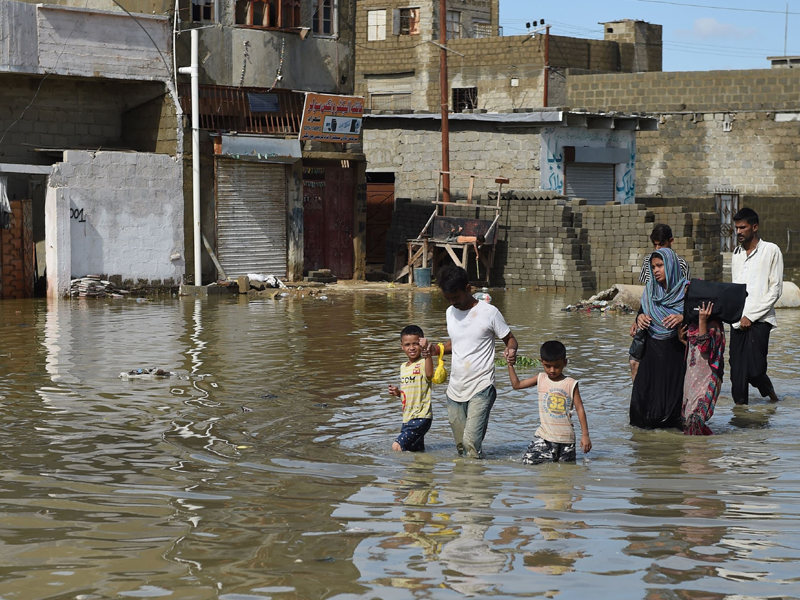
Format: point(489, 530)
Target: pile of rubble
point(624, 299)
point(93, 286)
point(320, 276)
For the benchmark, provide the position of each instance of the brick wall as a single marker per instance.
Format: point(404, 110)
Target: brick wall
point(152, 127)
point(125, 213)
point(545, 240)
point(488, 64)
point(692, 91)
point(16, 253)
point(415, 156)
point(65, 114)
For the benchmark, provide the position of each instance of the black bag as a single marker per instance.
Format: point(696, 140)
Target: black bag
point(728, 300)
point(637, 345)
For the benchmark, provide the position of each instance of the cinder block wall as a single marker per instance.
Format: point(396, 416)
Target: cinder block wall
point(779, 217)
point(414, 157)
point(690, 91)
point(548, 241)
point(126, 215)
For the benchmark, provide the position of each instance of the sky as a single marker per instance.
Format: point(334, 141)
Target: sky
point(697, 36)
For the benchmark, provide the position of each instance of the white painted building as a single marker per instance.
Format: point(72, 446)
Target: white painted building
point(91, 136)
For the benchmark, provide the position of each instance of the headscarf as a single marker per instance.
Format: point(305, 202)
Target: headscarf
point(657, 301)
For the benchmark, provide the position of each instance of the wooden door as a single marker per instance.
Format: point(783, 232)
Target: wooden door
point(380, 205)
point(328, 219)
point(339, 219)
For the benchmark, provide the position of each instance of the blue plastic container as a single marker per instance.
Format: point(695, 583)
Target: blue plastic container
point(422, 276)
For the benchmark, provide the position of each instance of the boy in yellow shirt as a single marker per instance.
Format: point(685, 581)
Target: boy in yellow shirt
point(415, 390)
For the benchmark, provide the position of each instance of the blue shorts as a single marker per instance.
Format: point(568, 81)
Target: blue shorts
point(412, 435)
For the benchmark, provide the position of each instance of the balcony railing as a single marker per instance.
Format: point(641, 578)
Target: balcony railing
point(246, 110)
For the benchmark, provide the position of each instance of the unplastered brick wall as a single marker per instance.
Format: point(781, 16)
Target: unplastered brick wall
point(65, 114)
point(690, 91)
point(414, 155)
point(545, 240)
point(537, 244)
point(126, 215)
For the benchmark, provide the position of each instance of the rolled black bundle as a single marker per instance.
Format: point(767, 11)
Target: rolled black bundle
point(728, 300)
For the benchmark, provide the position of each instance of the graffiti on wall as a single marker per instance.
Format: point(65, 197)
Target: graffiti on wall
point(625, 175)
point(552, 149)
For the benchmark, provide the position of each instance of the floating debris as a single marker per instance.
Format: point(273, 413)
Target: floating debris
point(602, 306)
point(523, 362)
point(268, 396)
point(93, 286)
point(147, 374)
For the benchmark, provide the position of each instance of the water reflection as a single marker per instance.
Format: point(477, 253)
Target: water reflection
point(267, 471)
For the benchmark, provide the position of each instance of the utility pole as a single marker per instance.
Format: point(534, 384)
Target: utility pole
point(786, 31)
point(546, 63)
point(443, 89)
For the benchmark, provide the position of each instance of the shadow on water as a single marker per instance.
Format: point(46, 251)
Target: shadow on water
point(265, 470)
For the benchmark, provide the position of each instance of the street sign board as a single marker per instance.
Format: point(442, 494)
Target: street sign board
point(330, 118)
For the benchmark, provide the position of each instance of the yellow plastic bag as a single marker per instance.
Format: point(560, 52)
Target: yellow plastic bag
point(440, 375)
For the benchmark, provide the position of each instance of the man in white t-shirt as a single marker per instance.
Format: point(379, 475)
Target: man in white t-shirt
point(472, 327)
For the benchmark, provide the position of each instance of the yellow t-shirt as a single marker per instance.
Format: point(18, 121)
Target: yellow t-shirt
point(415, 390)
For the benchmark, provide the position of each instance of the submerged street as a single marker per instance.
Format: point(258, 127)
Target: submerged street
point(264, 470)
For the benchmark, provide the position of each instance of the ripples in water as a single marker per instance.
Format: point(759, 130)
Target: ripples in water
point(267, 472)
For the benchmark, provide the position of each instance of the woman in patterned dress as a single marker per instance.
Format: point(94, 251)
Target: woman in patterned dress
point(705, 352)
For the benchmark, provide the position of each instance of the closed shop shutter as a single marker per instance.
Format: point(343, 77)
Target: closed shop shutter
point(251, 217)
point(594, 182)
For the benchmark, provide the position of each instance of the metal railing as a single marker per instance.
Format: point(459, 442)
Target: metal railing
point(246, 110)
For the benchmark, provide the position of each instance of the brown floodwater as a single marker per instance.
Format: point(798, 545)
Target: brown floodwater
point(266, 470)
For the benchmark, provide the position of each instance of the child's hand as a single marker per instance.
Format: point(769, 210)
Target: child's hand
point(705, 311)
point(510, 354)
point(683, 333)
point(586, 443)
point(394, 391)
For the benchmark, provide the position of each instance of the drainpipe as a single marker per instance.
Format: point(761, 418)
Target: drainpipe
point(194, 72)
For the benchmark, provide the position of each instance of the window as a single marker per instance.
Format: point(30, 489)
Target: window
point(405, 21)
point(398, 101)
point(465, 99)
point(268, 14)
point(376, 25)
point(481, 29)
point(202, 11)
point(325, 20)
point(453, 24)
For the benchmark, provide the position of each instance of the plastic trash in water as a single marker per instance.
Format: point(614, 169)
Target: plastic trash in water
point(322, 297)
point(141, 300)
point(482, 297)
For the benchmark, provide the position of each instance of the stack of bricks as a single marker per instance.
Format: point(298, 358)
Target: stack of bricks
point(16, 253)
point(545, 240)
point(618, 237)
point(538, 244)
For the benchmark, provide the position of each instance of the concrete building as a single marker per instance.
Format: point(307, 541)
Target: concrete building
point(397, 63)
point(271, 203)
point(90, 143)
point(726, 139)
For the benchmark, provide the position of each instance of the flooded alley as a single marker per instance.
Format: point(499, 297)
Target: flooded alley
point(265, 470)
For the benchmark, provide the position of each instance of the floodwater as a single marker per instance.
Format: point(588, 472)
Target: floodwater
point(267, 471)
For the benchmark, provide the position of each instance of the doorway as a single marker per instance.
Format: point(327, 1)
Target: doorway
point(328, 218)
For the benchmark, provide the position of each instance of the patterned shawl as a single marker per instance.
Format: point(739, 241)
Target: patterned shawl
point(658, 302)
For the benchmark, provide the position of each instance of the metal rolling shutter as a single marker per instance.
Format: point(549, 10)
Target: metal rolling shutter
point(251, 217)
point(594, 182)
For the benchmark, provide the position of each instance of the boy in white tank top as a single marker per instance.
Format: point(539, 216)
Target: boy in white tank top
point(554, 440)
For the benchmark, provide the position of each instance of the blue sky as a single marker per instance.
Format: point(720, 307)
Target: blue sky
point(695, 38)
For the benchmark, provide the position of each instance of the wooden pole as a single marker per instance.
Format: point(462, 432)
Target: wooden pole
point(443, 89)
point(546, 63)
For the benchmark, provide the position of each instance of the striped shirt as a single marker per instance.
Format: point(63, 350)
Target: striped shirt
point(644, 276)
